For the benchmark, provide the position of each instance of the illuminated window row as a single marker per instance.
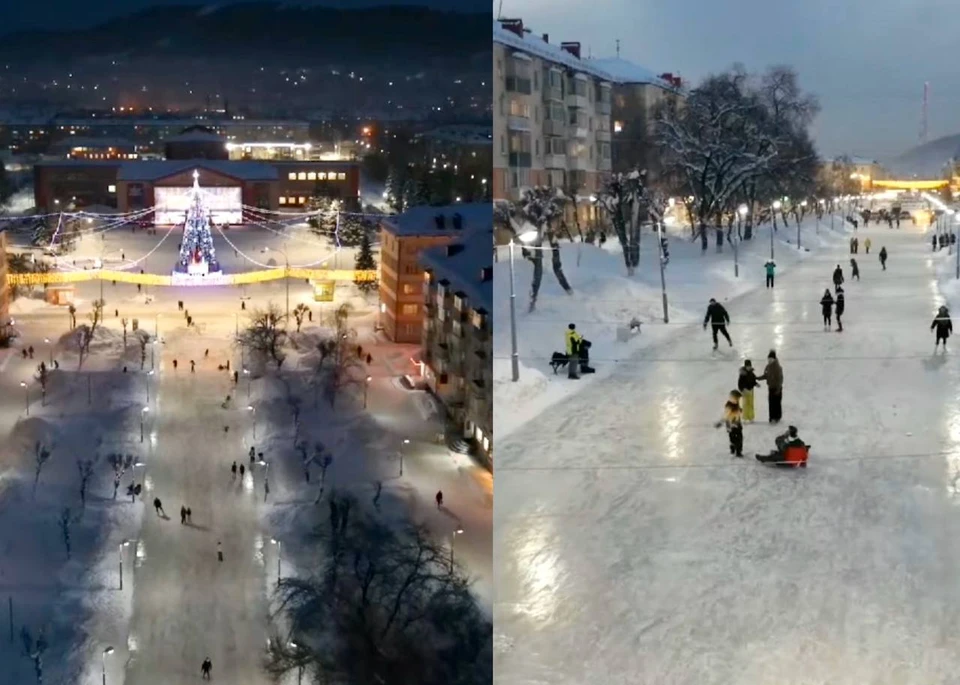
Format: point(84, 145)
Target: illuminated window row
point(293, 200)
point(317, 176)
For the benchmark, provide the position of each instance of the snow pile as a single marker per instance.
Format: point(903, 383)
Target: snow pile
point(605, 300)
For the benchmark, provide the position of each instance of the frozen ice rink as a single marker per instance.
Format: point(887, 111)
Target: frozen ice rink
point(631, 548)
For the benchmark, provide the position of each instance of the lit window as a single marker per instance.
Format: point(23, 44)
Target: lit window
point(312, 176)
point(283, 200)
point(292, 176)
point(111, 189)
point(341, 176)
point(410, 309)
point(303, 200)
point(322, 176)
point(302, 176)
point(617, 126)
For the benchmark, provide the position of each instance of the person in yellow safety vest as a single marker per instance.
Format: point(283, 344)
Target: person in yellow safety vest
point(573, 351)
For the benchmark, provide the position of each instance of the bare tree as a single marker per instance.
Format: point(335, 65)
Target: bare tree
point(124, 323)
point(540, 210)
point(299, 314)
point(266, 333)
point(73, 316)
point(65, 529)
point(41, 455)
point(34, 650)
point(96, 316)
point(338, 363)
point(628, 201)
point(120, 463)
point(385, 606)
point(84, 336)
point(85, 467)
point(43, 376)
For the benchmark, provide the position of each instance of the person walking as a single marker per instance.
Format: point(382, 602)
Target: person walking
point(746, 383)
point(183, 515)
point(853, 243)
point(771, 270)
point(826, 306)
point(572, 347)
point(733, 420)
point(854, 269)
point(439, 499)
point(943, 326)
point(933, 242)
point(839, 306)
point(158, 506)
point(837, 277)
point(253, 454)
point(243, 471)
point(193, 366)
point(189, 515)
point(856, 244)
point(773, 375)
point(174, 364)
point(205, 668)
point(219, 551)
point(866, 245)
point(718, 318)
point(233, 470)
point(883, 258)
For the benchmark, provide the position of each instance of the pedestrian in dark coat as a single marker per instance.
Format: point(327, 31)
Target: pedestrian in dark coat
point(933, 241)
point(837, 277)
point(243, 471)
point(840, 305)
point(883, 258)
point(943, 326)
point(233, 469)
point(854, 269)
point(826, 305)
point(773, 375)
point(718, 318)
point(183, 515)
point(746, 382)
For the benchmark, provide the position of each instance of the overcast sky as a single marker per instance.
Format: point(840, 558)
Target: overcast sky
point(61, 14)
point(866, 60)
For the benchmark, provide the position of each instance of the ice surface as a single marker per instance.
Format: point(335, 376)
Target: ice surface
point(631, 548)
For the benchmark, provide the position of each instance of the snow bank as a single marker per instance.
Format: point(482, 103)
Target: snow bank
point(605, 299)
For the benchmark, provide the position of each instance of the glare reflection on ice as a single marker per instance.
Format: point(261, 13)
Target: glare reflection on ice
point(540, 569)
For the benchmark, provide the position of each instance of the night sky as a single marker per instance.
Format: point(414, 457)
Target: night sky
point(63, 14)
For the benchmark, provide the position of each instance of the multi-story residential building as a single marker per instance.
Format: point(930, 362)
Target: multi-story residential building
point(402, 238)
point(457, 347)
point(4, 288)
point(551, 117)
point(95, 148)
point(638, 96)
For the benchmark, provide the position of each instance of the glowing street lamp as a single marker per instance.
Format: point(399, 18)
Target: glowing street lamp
point(103, 662)
point(123, 544)
point(26, 396)
point(253, 414)
point(453, 541)
point(776, 208)
point(400, 452)
point(143, 413)
point(279, 545)
point(366, 387)
point(47, 341)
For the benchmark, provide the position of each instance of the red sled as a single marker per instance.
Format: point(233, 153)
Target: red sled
point(796, 456)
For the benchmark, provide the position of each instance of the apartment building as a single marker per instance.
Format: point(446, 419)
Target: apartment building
point(402, 239)
point(551, 117)
point(4, 287)
point(457, 345)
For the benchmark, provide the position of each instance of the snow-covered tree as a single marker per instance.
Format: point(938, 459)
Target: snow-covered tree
point(266, 333)
point(35, 648)
point(365, 262)
point(629, 203)
point(85, 468)
point(540, 210)
point(352, 230)
point(65, 521)
point(299, 314)
point(398, 188)
point(338, 362)
point(41, 455)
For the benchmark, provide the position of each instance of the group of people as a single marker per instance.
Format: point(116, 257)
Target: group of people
point(855, 245)
point(831, 305)
point(941, 240)
point(577, 354)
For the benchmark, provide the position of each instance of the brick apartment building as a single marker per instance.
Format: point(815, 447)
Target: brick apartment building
point(457, 342)
point(403, 237)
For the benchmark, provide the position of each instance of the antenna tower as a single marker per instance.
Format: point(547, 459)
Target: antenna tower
point(923, 113)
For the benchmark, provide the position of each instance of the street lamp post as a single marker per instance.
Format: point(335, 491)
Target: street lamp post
point(120, 556)
point(776, 207)
point(26, 396)
point(742, 210)
point(453, 541)
point(147, 379)
point(279, 545)
point(103, 663)
point(294, 645)
point(400, 452)
point(253, 413)
point(514, 350)
point(366, 388)
point(50, 347)
point(143, 413)
point(802, 204)
point(246, 373)
point(663, 275)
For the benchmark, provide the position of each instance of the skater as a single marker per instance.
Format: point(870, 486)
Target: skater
point(933, 241)
point(116, 313)
point(183, 515)
point(883, 258)
point(236, 377)
point(243, 306)
point(439, 499)
point(854, 269)
point(837, 277)
point(733, 420)
point(771, 270)
point(573, 340)
point(30, 351)
point(174, 364)
point(206, 353)
point(219, 551)
point(158, 506)
point(189, 515)
point(131, 490)
point(253, 454)
point(943, 326)
point(233, 470)
point(207, 665)
point(309, 315)
point(243, 470)
point(180, 305)
point(778, 456)
point(773, 375)
point(866, 245)
point(746, 384)
point(856, 245)
point(193, 366)
point(853, 245)
point(826, 305)
point(840, 305)
point(718, 318)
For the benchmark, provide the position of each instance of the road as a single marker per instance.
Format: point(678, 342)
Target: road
point(631, 548)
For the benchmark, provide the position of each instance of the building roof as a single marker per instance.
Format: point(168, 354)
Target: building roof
point(422, 221)
point(627, 73)
point(535, 45)
point(154, 170)
point(63, 162)
point(96, 143)
point(464, 269)
point(196, 137)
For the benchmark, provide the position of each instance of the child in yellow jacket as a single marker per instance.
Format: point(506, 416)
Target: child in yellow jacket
point(733, 420)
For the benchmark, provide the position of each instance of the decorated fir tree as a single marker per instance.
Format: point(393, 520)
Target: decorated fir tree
point(365, 261)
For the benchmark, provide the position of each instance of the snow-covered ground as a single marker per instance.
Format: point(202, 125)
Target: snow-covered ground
point(631, 548)
point(605, 300)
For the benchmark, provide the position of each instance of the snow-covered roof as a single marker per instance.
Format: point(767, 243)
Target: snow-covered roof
point(95, 143)
point(626, 72)
point(536, 46)
point(421, 221)
point(464, 269)
point(196, 137)
point(153, 170)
